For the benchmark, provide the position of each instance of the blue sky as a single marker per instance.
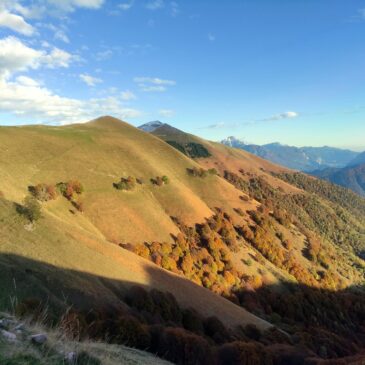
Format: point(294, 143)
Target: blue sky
point(262, 70)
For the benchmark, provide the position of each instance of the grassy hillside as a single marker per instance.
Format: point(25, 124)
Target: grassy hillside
point(100, 153)
point(228, 235)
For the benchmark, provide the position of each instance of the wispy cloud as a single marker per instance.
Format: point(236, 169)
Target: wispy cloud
point(127, 95)
point(273, 118)
point(154, 80)
point(126, 6)
point(155, 4)
point(71, 5)
point(215, 126)
point(211, 37)
point(104, 55)
point(90, 80)
point(167, 113)
point(285, 115)
point(174, 8)
point(59, 32)
point(153, 84)
point(62, 36)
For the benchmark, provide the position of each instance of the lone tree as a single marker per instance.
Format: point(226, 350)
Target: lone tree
point(31, 208)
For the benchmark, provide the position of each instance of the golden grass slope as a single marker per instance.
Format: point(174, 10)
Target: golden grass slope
point(68, 264)
point(72, 257)
point(100, 153)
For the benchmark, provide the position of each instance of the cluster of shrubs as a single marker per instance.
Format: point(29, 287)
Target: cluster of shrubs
point(160, 180)
point(31, 209)
point(129, 183)
point(201, 253)
point(71, 190)
point(45, 192)
point(200, 172)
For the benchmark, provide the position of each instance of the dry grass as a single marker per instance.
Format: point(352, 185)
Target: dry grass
point(53, 352)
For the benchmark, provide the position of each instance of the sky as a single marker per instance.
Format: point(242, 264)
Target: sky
point(289, 71)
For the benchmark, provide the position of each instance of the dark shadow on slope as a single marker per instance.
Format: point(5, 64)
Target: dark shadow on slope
point(322, 324)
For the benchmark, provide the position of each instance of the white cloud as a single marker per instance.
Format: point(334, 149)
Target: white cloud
point(126, 6)
point(127, 95)
point(154, 5)
point(285, 115)
point(167, 113)
point(25, 97)
point(90, 80)
point(15, 56)
point(37, 9)
point(27, 81)
point(16, 23)
point(57, 58)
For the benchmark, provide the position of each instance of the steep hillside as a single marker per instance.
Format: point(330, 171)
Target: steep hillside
point(304, 158)
point(99, 154)
point(351, 177)
point(221, 245)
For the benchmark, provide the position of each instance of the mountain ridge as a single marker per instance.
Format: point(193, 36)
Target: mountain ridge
point(300, 158)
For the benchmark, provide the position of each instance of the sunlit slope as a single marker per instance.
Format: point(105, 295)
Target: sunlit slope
point(100, 153)
point(68, 265)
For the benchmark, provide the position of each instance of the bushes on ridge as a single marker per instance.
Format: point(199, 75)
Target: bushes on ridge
point(127, 184)
point(43, 192)
point(31, 209)
point(160, 180)
point(200, 172)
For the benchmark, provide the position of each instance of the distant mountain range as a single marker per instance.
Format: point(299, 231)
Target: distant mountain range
point(351, 176)
point(299, 158)
point(358, 160)
point(341, 167)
